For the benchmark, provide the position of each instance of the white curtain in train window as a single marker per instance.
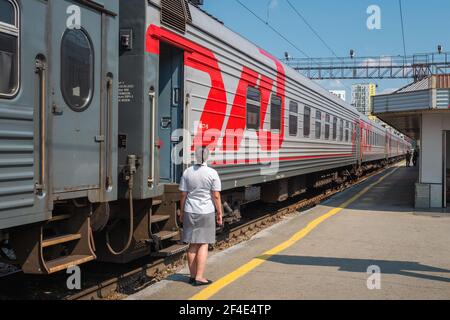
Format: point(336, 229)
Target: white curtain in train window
point(6, 71)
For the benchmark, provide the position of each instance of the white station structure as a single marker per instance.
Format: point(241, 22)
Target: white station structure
point(422, 112)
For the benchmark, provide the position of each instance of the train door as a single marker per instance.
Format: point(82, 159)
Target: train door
point(446, 165)
point(357, 141)
point(75, 76)
point(170, 112)
point(362, 141)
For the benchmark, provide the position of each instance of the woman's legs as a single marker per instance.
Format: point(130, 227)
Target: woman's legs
point(192, 259)
point(202, 256)
point(197, 255)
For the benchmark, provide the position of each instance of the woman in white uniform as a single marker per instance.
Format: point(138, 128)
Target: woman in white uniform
point(201, 207)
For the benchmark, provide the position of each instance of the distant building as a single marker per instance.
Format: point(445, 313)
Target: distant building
point(342, 94)
point(362, 97)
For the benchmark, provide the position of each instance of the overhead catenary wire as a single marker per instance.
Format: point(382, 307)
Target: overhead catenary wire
point(273, 29)
point(282, 36)
point(302, 17)
point(268, 10)
point(311, 28)
point(403, 27)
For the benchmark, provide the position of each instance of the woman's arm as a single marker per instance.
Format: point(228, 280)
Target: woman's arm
point(182, 204)
point(218, 204)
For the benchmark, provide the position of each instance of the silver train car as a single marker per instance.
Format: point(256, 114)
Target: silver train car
point(102, 104)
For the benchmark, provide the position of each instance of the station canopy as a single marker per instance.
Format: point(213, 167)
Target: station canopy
point(403, 108)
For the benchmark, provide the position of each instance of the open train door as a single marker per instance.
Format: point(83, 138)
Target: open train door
point(170, 112)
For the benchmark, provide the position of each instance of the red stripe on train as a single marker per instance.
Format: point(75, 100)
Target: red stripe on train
point(283, 159)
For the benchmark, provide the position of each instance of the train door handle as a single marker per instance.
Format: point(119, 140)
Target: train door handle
point(41, 71)
point(109, 131)
point(153, 122)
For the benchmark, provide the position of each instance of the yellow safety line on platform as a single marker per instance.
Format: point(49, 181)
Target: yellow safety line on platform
point(249, 266)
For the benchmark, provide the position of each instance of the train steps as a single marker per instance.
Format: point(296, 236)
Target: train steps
point(165, 232)
point(171, 251)
point(63, 242)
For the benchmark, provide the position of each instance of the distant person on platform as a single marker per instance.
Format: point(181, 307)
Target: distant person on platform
point(415, 157)
point(201, 207)
point(408, 158)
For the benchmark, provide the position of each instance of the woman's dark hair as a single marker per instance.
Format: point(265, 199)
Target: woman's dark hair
point(202, 155)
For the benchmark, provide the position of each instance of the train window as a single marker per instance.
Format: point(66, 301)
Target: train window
point(253, 105)
point(275, 113)
point(327, 126)
point(307, 122)
point(9, 48)
point(347, 126)
point(335, 123)
point(77, 69)
point(293, 118)
point(318, 125)
point(341, 130)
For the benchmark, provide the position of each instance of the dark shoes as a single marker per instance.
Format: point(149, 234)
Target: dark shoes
point(199, 284)
point(196, 283)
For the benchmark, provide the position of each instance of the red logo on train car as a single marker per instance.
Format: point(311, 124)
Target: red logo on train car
point(212, 120)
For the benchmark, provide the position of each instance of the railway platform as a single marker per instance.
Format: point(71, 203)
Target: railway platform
point(333, 250)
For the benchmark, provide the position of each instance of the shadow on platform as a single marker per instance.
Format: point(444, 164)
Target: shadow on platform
point(402, 268)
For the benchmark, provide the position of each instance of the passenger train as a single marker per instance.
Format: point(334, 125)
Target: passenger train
point(103, 102)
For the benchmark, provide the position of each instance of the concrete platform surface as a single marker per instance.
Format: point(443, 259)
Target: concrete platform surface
point(334, 253)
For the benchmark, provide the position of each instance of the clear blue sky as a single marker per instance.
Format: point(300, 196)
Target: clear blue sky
point(342, 24)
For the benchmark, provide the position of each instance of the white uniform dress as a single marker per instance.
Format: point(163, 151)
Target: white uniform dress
point(199, 224)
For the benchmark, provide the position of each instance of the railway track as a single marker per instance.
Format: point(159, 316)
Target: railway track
point(118, 281)
point(7, 270)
